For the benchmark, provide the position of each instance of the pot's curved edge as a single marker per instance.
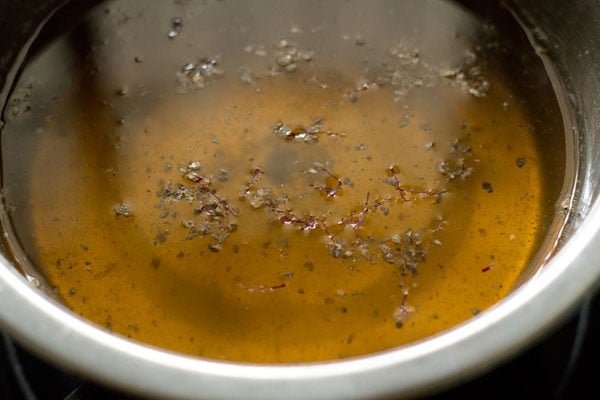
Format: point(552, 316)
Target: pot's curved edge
point(18, 29)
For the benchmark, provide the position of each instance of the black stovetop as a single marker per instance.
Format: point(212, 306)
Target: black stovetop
point(561, 366)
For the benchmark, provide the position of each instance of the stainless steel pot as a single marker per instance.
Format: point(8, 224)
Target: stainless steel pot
point(567, 34)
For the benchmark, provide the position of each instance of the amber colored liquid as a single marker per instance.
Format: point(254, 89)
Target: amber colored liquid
point(236, 272)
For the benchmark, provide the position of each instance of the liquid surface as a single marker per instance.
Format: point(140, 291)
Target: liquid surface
point(296, 186)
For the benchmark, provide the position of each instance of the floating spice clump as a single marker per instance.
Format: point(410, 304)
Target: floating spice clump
point(197, 75)
point(287, 56)
point(212, 214)
point(346, 234)
point(300, 133)
point(455, 165)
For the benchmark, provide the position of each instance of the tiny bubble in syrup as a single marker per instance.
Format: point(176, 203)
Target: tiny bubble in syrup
point(359, 40)
point(176, 26)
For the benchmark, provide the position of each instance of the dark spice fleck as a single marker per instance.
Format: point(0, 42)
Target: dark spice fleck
point(161, 237)
point(487, 186)
point(520, 162)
